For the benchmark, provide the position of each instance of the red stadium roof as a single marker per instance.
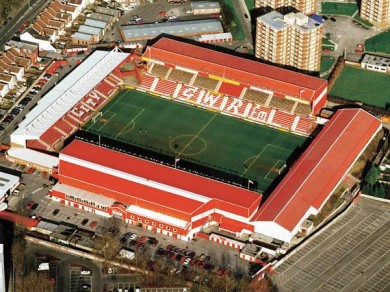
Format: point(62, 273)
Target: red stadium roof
point(320, 168)
point(234, 196)
point(235, 68)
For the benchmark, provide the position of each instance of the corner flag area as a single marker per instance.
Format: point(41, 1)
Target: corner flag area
point(188, 133)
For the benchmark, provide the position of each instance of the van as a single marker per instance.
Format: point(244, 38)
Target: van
point(133, 6)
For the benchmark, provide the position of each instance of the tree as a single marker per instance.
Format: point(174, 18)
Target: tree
point(372, 176)
point(34, 282)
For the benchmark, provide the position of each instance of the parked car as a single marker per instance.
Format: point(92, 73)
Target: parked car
point(31, 170)
point(93, 224)
point(30, 204)
point(85, 221)
point(56, 211)
point(187, 261)
point(152, 241)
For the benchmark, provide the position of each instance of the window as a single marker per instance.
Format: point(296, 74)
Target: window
point(174, 230)
point(168, 228)
point(160, 225)
point(146, 221)
point(139, 219)
point(154, 223)
point(132, 217)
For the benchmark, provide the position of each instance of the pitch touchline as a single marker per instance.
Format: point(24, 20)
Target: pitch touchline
point(106, 122)
point(200, 131)
point(142, 110)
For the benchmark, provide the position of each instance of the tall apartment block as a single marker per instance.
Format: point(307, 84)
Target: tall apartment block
point(304, 6)
point(376, 12)
point(292, 40)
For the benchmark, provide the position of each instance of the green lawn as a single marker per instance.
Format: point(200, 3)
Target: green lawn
point(379, 43)
point(250, 4)
point(371, 88)
point(326, 63)
point(327, 44)
point(333, 8)
point(203, 137)
point(362, 21)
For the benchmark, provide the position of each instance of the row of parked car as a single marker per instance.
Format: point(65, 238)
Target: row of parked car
point(185, 257)
point(132, 240)
point(24, 102)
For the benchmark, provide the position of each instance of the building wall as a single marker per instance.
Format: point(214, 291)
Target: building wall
point(304, 6)
point(376, 12)
point(289, 45)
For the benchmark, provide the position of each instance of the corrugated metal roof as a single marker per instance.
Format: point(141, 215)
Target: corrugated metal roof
point(235, 68)
point(158, 176)
point(95, 23)
point(86, 29)
point(82, 36)
point(319, 169)
point(152, 30)
point(66, 94)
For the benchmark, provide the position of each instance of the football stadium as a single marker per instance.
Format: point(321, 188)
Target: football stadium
point(180, 138)
point(181, 132)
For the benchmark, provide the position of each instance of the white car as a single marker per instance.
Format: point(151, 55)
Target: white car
point(187, 261)
point(172, 17)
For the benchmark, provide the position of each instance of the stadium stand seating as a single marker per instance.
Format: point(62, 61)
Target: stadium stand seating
point(70, 120)
point(283, 119)
point(205, 82)
point(111, 80)
point(159, 70)
point(166, 87)
point(63, 127)
point(181, 76)
point(281, 103)
point(104, 88)
point(305, 125)
point(258, 97)
point(302, 109)
point(147, 82)
point(36, 144)
point(117, 74)
point(51, 136)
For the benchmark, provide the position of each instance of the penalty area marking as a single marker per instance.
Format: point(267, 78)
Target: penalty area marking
point(257, 157)
point(131, 122)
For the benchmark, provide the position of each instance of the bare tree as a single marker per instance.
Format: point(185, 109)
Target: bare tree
point(34, 282)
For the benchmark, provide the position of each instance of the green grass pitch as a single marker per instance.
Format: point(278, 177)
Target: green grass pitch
point(208, 138)
point(369, 87)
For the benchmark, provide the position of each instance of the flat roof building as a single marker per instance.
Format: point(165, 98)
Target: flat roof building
point(179, 28)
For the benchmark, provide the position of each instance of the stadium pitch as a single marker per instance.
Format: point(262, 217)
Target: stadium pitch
point(185, 132)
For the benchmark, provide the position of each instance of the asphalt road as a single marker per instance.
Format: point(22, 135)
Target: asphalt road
point(27, 13)
point(347, 36)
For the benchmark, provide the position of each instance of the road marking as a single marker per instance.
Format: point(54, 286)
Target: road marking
point(37, 190)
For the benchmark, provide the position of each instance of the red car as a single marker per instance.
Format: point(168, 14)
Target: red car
point(93, 224)
point(31, 170)
point(30, 204)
